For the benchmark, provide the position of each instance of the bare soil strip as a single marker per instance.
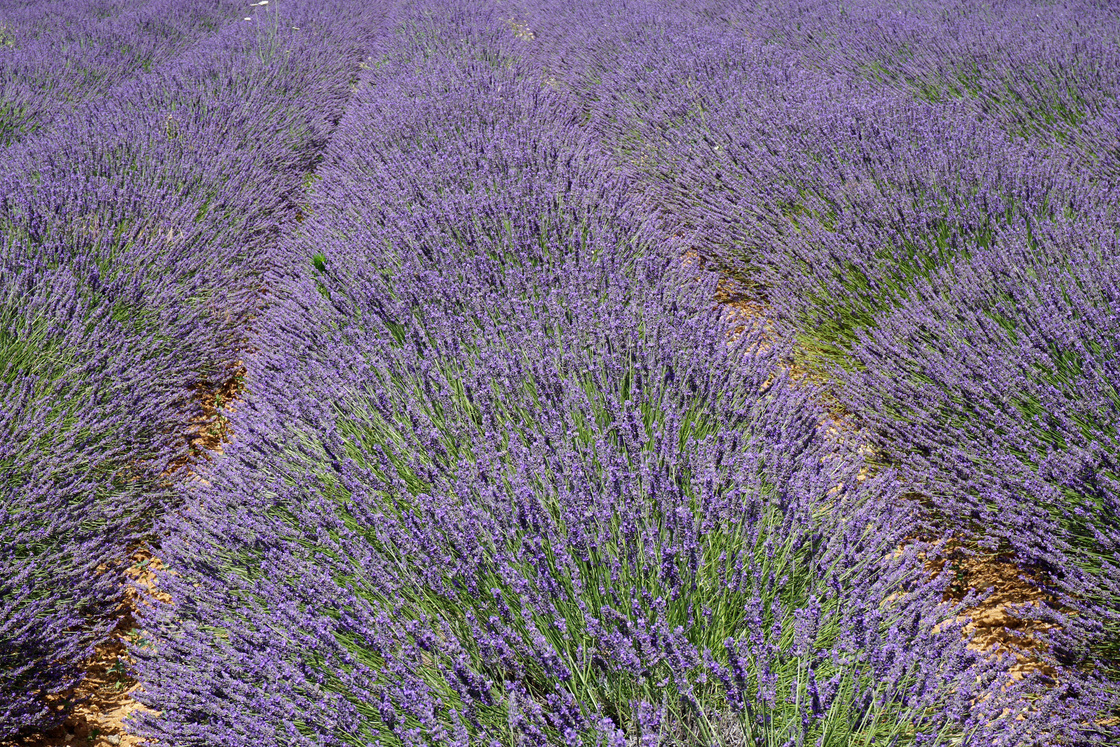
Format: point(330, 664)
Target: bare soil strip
point(993, 625)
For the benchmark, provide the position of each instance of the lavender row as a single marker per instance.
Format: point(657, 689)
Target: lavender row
point(1044, 72)
point(133, 241)
point(55, 61)
point(86, 429)
point(1040, 71)
point(994, 389)
point(924, 227)
point(30, 19)
point(501, 477)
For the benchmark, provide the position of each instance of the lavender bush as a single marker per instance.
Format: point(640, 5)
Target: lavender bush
point(994, 389)
point(86, 434)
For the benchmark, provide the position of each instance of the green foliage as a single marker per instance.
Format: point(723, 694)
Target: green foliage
point(14, 122)
point(26, 346)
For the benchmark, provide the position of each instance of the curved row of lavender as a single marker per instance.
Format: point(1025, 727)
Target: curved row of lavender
point(502, 477)
point(800, 175)
point(59, 56)
point(993, 386)
point(1047, 72)
point(925, 195)
point(992, 382)
point(133, 237)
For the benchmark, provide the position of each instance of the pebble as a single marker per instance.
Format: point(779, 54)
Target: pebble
point(113, 739)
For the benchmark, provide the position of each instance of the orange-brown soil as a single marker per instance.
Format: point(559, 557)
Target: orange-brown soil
point(994, 626)
point(210, 429)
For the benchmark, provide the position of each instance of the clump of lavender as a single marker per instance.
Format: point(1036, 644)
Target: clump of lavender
point(85, 436)
point(502, 477)
point(133, 238)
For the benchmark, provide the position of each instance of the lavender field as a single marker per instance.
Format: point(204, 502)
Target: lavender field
point(613, 373)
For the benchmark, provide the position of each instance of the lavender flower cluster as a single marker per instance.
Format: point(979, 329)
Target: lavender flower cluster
point(133, 235)
point(503, 477)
